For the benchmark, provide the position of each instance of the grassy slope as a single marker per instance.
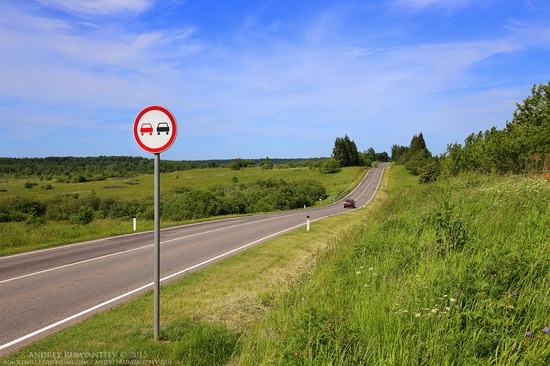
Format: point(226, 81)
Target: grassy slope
point(18, 237)
point(453, 273)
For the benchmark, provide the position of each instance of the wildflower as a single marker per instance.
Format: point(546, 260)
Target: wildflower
point(417, 315)
point(515, 294)
point(371, 269)
point(447, 308)
point(358, 272)
point(528, 334)
point(546, 330)
point(384, 277)
point(453, 299)
point(435, 310)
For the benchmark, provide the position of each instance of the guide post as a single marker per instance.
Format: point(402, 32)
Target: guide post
point(155, 130)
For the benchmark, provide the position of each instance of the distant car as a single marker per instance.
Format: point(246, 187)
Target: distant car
point(146, 128)
point(348, 202)
point(163, 127)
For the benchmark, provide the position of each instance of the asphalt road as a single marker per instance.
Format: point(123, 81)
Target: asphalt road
point(44, 291)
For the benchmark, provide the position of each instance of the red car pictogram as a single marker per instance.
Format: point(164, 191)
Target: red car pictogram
point(146, 128)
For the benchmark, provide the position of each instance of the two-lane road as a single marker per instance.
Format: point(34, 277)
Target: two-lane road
point(46, 290)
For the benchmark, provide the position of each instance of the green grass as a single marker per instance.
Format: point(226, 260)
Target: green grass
point(452, 273)
point(19, 236)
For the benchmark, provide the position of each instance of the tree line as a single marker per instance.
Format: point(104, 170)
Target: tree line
point(522, 147)
point(345, 154)
point(82, 169)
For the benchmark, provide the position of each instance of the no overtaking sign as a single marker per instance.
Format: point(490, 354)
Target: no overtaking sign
point(155, 129)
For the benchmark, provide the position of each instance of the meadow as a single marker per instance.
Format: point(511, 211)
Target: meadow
point(134, 193)
point(455, 272)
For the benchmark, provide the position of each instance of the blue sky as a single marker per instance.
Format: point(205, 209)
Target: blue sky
point(274, 78)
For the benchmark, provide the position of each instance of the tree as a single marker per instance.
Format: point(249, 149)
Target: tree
point(417, 155)
point(397, 152)
point(345, 152)
point(530, 127)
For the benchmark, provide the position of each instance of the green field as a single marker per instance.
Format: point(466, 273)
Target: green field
point(451, 273)
point(23, 236)
point(142, 186)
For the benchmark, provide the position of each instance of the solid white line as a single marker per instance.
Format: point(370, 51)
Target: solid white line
point(51, 326)
point(87, 311)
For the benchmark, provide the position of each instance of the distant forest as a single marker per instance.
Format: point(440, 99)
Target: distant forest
point(83, 169)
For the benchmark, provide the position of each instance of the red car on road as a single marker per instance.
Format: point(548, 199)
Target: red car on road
point(348, 202)
point(146, 128)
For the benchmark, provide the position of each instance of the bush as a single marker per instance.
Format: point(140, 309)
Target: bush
point(19, 209)
point(84, 216)
point(329, 166)
point(429, 172)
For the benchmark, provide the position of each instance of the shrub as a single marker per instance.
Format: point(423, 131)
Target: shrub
point(329, 166)
point(84, 216)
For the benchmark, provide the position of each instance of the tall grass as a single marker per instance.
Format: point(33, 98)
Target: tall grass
point(454, 273)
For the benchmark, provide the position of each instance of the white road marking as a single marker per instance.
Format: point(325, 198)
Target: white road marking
point(120, 297)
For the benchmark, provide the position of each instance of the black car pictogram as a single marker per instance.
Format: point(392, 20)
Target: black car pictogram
point(163, 127)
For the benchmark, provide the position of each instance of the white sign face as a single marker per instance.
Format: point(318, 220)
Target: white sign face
point(155, 129)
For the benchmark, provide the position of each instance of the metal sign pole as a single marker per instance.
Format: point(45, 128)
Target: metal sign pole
point(157, 245)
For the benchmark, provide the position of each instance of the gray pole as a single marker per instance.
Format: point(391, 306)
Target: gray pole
point(157, 244)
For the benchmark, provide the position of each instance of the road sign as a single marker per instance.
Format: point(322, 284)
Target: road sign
point(155, 129)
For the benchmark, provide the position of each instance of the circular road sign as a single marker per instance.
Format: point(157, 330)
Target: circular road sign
point(155, 129)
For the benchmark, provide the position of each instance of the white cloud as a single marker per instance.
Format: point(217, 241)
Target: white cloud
point(101, 7)
point(422, 4)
